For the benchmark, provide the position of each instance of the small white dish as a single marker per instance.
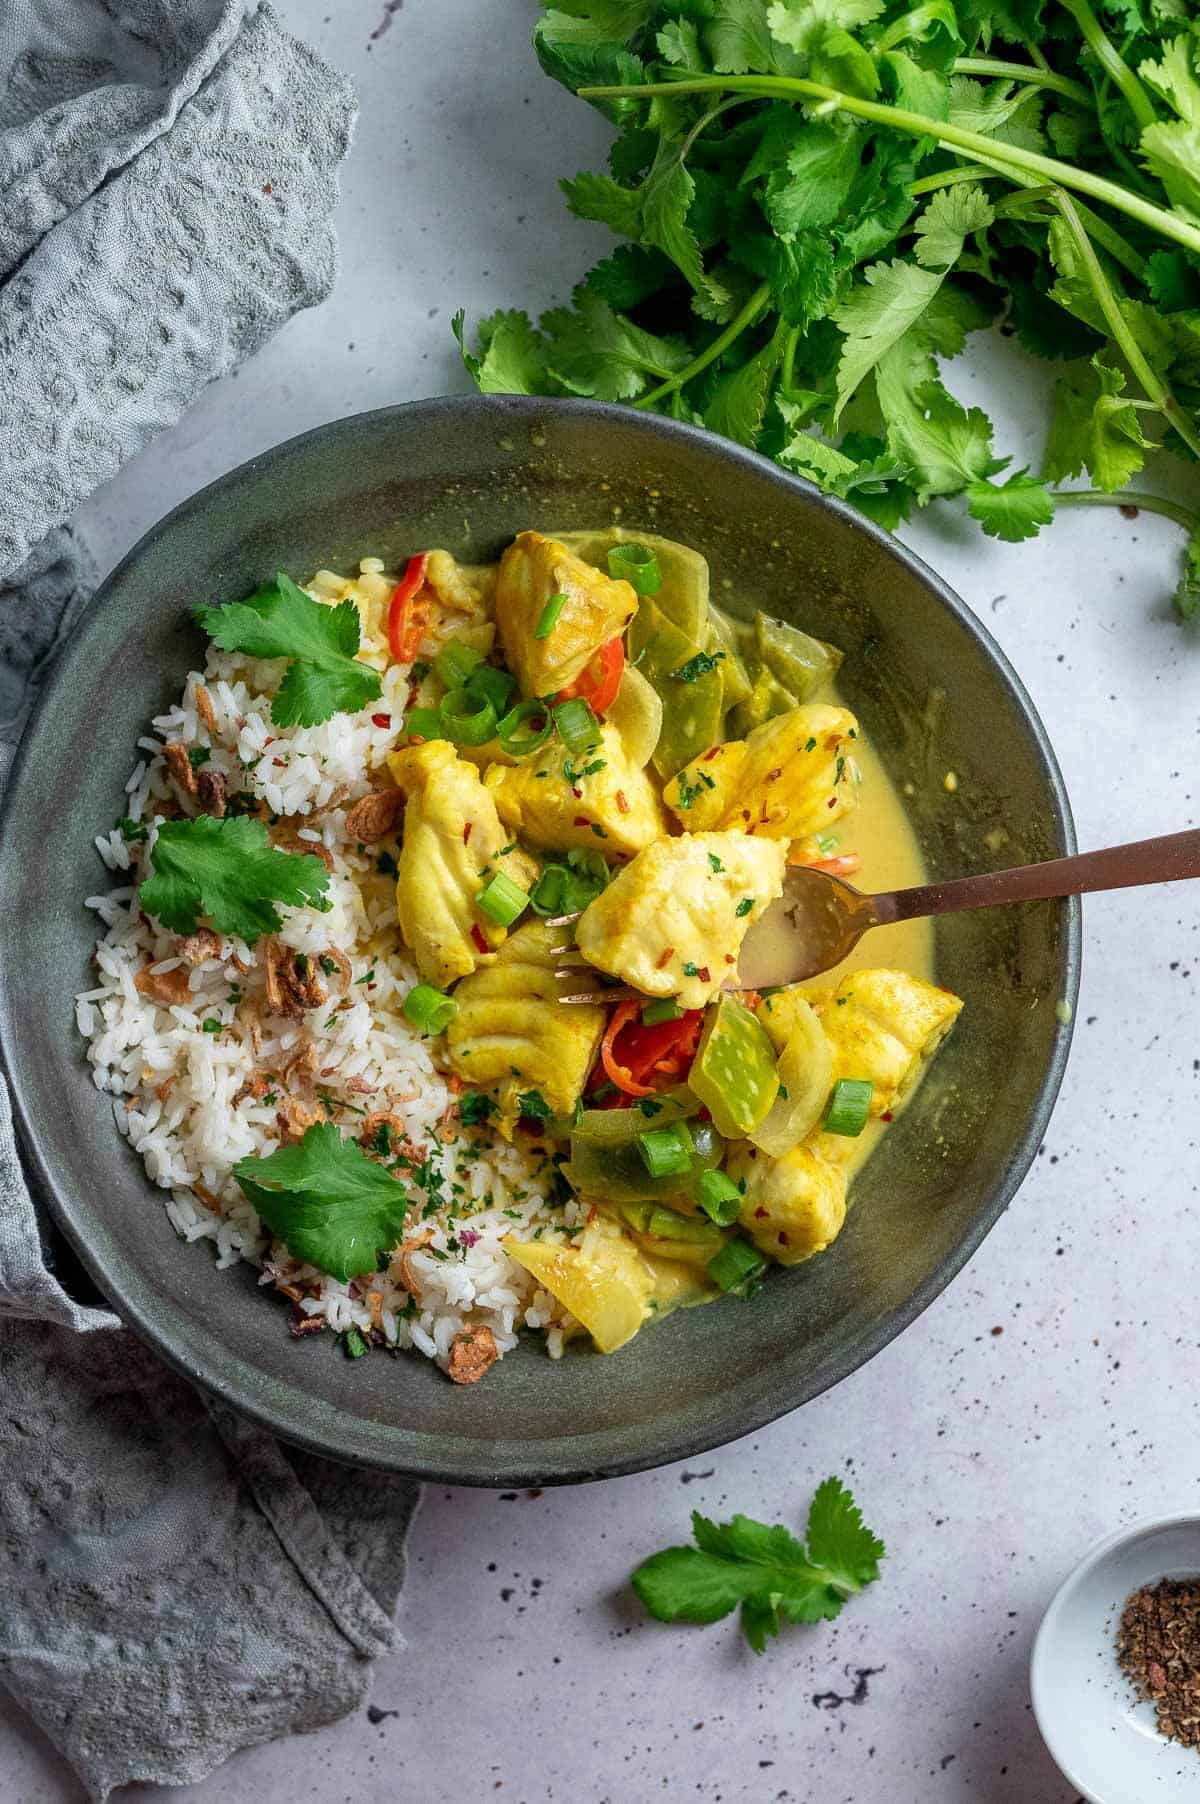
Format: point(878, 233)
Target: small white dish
point(1104, 1741)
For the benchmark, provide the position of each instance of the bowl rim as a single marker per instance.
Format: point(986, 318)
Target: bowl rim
point(1040, 1689)
point(723, 1429)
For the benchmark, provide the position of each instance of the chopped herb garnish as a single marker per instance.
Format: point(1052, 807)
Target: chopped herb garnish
point(198, 755)
point(132, 830)
point(715, 862)
point(648, 1106)
point(211, 1026)
point(353, 1344)
point(533, 1106)
point(698, 666)
point(474, 1108)
point(385, 864)
point(744, 906)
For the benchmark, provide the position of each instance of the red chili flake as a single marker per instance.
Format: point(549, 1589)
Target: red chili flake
point(581, 820)
point(479, 937)
point(664, 958)
point(622, 802)
point(760, 1215)
point(887, 1116)
point(773, 776)
point(703, 973)
point(764, 817)
point(577, 793)
point(745, 814)
point(832, 802)
point(269, 740)
point(279, 761)
point(381, 720)
point(467, 832)
point(709, 756)
point(729, 959)
point(784, 1241)
point(704, 1113)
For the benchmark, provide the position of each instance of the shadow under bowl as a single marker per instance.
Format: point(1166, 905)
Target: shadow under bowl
point(933, 693)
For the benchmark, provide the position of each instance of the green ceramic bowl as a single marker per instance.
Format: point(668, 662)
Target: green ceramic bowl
point(934, 693)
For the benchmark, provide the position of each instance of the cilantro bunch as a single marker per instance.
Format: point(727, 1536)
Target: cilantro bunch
point(821, 199)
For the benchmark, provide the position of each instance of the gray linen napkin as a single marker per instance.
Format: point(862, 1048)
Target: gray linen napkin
point(174, 1584)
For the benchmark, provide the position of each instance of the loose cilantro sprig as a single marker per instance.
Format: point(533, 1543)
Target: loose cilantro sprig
point(229, 871)
point(324, 676)
point(327, 1202)
point(821, 199)
point(774, 1577)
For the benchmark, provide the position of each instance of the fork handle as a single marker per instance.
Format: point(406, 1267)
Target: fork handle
point(1163, 860)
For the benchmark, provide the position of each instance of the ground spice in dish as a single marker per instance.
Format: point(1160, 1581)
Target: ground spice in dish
point(1158, 1650)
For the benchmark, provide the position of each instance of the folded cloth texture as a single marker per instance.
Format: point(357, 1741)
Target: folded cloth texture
point(174, 1584)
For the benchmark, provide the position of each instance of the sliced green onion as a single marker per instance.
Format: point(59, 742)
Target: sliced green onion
point(849, 1106)
point(736, 1264)
point(468, 718)
point(719, 1197)
point(577, 725)
point(654, 1012)
point(456, 661)
point(667, 1151)
point(548, 617)
point(425, 722)
point(502, 900)
point(546, 896)
point(497, 685)
point(429, 1009)
point(638, 566)
point(519, 744)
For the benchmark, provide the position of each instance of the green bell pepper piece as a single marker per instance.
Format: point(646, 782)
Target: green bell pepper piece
point(800, 663)
point(734, 1073)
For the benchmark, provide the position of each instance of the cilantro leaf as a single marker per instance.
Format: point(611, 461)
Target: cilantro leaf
point(949, 219)
point(1014, 510)
point(229, 871)
point(324, 676)
point(876, 316)
point(764, 1568)
point(327, 1201)
point(1187, 595)
point(594, 351)
point(512, 355)
point(1095, 428)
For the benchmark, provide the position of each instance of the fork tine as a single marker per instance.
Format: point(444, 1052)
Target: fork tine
point(621, 993)
point(563, 920)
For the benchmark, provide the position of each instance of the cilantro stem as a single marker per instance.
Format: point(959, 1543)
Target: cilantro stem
point(1004, 157)
point(1035, 78)
point(787, 375)
point(1118, 248)
point(717, 348)
point(1118, 326)
point(1188, 518)
point(949, 178)
point(1111, 60)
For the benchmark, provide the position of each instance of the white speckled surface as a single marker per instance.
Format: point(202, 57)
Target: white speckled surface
point(1045, 1399)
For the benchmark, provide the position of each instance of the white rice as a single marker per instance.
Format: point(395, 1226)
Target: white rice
point(180, 1093)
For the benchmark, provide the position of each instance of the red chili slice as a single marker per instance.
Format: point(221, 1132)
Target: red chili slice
point(598, 682)
point(407, 610)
